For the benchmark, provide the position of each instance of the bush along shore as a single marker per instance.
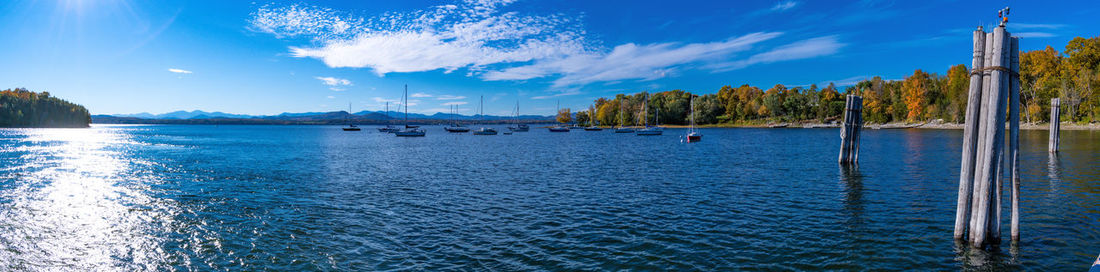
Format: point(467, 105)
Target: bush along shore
point(20, 108)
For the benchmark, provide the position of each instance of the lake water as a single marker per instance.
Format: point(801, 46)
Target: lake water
point(318, 198)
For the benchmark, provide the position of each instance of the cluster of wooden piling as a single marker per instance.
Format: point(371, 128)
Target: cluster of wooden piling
point(994, 85)
point(850, 130)
point(1055, 124)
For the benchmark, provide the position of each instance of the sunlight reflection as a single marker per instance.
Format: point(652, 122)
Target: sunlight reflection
point(70, 203)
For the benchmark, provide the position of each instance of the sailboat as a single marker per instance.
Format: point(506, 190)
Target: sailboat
point(517, 127)
point(388, 128)
point(350, 127)
point(592, 126)
point(456, 127)
point(561, 127)
point(692, 135)
point(621, 128)
point(648, 130)
point(409, 131)
point(481, 112)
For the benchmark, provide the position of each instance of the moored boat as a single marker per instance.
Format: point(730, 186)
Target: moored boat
point(692, 135)
point(409, 131)
point(650, 130)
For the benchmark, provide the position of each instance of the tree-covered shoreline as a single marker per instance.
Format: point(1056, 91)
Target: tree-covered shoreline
point(20, 108)
point(1072, 75)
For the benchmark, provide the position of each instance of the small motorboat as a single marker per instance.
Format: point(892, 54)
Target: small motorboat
point(519, 128)
point(624, 130)
point(485, 131)
point(593, 128)
point(456, 128)
point(650, 131)
point(411, 132)
point(351, 128)
point(389, 129)
point(559, 129)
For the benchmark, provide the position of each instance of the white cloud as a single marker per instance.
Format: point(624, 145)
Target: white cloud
point(810, 48)
point(337, 89)
point(566, 92)
point(785, 5)
point(629, 61)
point(497, 45)
point(449, 97)
point(1035, 26)
point(1033, 34)
point(420, 95)
point(179, 71)
point(332, 81)
point(471, 35)
point(454, 103)
point(331, 97)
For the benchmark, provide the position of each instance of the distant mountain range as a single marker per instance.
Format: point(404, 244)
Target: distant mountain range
point(335, 117)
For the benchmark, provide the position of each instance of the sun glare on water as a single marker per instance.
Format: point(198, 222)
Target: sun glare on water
point(71, 204)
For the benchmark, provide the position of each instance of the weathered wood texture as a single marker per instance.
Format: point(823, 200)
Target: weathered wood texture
point(1055, 124)
point(850, 130)
point(970, 130)
point(993, 98)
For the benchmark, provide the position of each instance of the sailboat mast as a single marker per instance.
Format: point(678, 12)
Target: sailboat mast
point(692, 103)
point(405, 98)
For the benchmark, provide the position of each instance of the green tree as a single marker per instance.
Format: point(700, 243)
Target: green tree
point(565, 116)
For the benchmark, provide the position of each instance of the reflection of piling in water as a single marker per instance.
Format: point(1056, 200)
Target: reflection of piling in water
point(1014, 137)
point(980, 179)
point(1055, 124)
point(850, 130)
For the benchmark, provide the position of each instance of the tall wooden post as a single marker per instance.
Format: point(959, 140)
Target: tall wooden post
point(850, 130)
point(992, 128)
point(844, 131)
point(1055, 124)
point(970, 134)
point(1014, 137)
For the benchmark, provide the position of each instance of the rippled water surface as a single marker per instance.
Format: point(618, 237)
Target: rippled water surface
point(318, 198)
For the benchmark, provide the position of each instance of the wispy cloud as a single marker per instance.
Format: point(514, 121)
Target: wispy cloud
point(179, 71)
point(420, 95)
point(449, 97)
point(1036, 26)
point(454, 103)
point(495, 45)
point(1034, 34)
point(332, 81)
point(566, 92)
point(337, 89)
point(785, 5)
point(810, 48)
point(470, 34)
point(629, 61)
point(330, 97)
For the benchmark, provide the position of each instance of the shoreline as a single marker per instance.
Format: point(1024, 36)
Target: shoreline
point(1023, 126)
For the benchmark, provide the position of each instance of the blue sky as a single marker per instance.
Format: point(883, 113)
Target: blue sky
point(129, 56)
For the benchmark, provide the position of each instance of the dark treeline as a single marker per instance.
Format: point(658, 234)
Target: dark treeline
point(22, 108)
point(920, 97)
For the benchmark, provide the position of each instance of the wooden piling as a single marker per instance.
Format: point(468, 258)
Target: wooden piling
point(850, 130)
point(858, 123)
point(977, 194)
point(1014, 137)
point(993, 130)
point(1002, 157)
point(970, 130)
point(1055, 124)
